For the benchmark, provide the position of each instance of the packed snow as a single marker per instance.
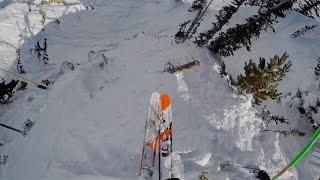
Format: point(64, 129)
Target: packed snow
point(89, 124)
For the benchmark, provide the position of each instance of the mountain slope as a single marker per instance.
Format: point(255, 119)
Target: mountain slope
point(89, 124)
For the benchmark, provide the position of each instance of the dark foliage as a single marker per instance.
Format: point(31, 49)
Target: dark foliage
point(179, 36)
point(307, 111)
point(198, 5)
point(225, 14)
point(310, 8)
point(42, 51)
point(19, 63)
point(241, 35)
point(224, 74)
point(185, 33)
point(263, 3)
point(292, 132)
point(303, 31)
point(262, 80)
point(223, 70)
point(268, 118)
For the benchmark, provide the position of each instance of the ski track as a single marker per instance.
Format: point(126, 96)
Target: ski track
point(89, 125)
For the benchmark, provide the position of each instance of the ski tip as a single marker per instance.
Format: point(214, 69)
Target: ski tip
point(164, 101)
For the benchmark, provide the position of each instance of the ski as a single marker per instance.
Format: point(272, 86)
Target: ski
point(257, 172)
point(149, 149)
point(158, 139)
point(165, 138)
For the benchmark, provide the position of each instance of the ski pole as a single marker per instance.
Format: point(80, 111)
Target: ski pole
point(25, 79)
point(303, 152)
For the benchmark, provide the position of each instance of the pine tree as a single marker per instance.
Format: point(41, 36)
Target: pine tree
point(222, 19)
point(262, 80)
point(242, 34)
point(310, 8)
point(303, 31)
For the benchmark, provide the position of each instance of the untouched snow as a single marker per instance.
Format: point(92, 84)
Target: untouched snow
point(89, 124)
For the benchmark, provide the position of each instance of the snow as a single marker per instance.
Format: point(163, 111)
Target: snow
point(90, 123)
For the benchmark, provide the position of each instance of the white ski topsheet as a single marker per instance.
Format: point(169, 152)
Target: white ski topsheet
point(149, 152)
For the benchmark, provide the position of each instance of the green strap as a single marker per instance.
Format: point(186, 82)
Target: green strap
point(305, 150)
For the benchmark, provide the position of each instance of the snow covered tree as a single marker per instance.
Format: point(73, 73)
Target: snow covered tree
point(310, 8)
point(303, 31)
point(225, 14)
point(262, 80)
point(241, 35)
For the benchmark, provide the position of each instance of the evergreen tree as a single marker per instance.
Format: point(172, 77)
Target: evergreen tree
point(303, 31)
point(262, 80)
point(310, 8)
point(225, 14)
point(242, 34)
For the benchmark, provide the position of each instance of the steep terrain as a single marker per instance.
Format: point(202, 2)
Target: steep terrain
point(90, 122)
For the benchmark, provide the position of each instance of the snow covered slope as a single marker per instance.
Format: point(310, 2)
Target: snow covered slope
point(89, 124)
